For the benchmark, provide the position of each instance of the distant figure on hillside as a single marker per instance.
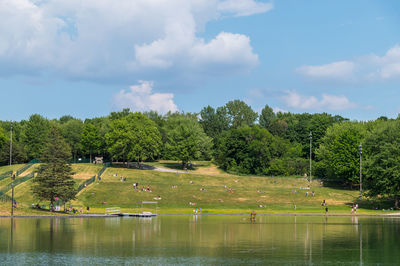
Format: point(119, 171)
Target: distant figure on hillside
point(326, 210)
point(87, 209)
point(307, 194)
point(313, 193)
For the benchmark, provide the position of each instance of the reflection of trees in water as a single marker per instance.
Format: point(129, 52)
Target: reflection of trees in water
point(312, 239)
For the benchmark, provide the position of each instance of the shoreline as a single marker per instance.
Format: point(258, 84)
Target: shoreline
point(98, 215)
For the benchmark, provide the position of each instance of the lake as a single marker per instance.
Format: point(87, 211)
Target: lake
point(207, 239)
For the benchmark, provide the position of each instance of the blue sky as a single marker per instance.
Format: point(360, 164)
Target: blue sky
point(86, 59)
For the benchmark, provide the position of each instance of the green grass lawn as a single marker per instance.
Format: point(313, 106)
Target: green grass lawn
point(213, 193)
point(263, 194)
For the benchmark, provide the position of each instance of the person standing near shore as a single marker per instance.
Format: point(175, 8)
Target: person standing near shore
point(326, 210)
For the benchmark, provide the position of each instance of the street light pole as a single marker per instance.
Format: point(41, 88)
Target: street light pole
point(11, 131)
point(360, 151)
point(310, 156)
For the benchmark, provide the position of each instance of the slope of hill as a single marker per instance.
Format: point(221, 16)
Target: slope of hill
point(204, 187)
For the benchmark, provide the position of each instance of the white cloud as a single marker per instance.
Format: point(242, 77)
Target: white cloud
point(328, 102)
point(364, 68)
point(102, 39)
point(140, 98)
point(336, 70)
point(244, 7)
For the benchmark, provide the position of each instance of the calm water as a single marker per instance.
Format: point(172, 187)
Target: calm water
point(215, 240)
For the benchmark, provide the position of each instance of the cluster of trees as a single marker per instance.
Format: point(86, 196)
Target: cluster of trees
point(234, 136)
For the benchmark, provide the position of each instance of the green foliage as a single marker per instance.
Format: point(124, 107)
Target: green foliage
point(267, 117)
point(133, 137)
point(90, 139)
point(71, 130)
point(3, 138)
point(54, 177)
point(248, 150)
point(240, 114)
point(339, 153)
point(214, 122)
point(35, 135)
point(102, 125)
point(186, 140)
point(382, 147)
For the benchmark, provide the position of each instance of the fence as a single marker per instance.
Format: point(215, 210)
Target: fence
point(86, 183)
point(25, 167)
point(16, 182)
point(5, 175)
point(80, 160)
point(106, 165)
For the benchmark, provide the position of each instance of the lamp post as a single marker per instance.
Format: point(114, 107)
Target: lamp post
point(360, 151)
point(11, 131)
point(310, 156)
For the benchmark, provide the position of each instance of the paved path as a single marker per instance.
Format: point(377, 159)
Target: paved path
point(160, 169)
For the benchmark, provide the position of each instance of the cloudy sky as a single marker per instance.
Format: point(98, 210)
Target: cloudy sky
point(87, 58)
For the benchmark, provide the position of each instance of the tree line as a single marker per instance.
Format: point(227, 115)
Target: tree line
point(234, 136)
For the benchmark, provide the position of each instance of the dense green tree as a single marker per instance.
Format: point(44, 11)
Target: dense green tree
point(338, 153)
point(382, 149)
point(64, 119)
point(118, 115)
point(267, 118)
point(214, 122)
point(3, 137)
point(90, 139)
point(247, 150)
point(102, 125)
point(35, 135)
point(54, 178)
point(240, 114)
point(72, 131)
point(133, 137)
point(186, 139)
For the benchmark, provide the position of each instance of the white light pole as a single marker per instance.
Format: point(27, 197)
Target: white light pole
point(11, 145)
point(360, 151)
point(310, 156)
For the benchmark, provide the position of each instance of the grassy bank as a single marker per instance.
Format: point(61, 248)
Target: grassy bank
point(204, 187)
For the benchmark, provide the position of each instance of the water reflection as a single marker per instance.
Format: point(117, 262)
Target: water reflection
point(203, 239)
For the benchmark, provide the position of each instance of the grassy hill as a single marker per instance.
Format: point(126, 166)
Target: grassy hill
point(204, 187)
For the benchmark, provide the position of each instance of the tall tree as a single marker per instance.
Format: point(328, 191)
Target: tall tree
point(90, 139)
point(72, 132)
point(35, 135)
point(382, 149)
point(338, 153)
point(186, 139)
point(133, 137)
point(240, 114)
point(247, 150)
point(54, 178)
point(267, 117)
point(214, 121)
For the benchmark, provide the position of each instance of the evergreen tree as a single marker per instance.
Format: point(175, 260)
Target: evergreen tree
point(54, 177)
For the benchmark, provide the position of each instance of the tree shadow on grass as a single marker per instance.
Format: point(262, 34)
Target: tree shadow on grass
point(373, 204)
